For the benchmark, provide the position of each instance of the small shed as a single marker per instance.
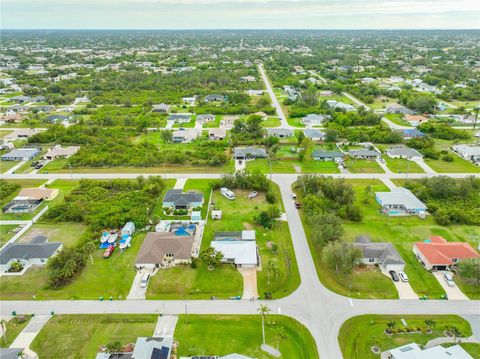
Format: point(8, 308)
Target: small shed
point(217, 214)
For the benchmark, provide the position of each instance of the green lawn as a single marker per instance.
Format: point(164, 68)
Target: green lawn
point(397, 119)
point(458, 165)
point(67, 233)
point(6, 165)
point(363, 166)
point(80, 336)
point(400, 165)
point(294, 121)
point(271, 122)
point(105, 277)
point(158, 210)
point(213, 124)
point(358, 334)
point(472, 291)
point(14, 326)
point(291, 166)
point(200, 185)
point(242, 334)
point(6, 233)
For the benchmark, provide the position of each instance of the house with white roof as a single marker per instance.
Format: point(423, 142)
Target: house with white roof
point(404, 152)
point(239, 248)
point(468, 153)
point(413, 351)
point(400, 202)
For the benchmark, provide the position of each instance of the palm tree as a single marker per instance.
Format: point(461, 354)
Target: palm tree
point(390, 325)
point(430, 323)
point(3, 323)
point(89, 248)
point(272, 266)
point(263, 310)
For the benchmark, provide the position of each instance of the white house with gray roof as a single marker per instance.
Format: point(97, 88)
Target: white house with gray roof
point(404, 152)
point(314, 119)
point(249, 153)
point(320, 155)
point(468, 153)
point(383, 254)
point(364, 153)
point(179, 118)
point(280, 132)
point(400, 202)
point(20, 154)
point(314, 135)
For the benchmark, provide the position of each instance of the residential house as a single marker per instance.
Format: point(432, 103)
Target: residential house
point(42, 109)
point(383, 254)
point(20, 134)
point(400, 202)
point(179, 118)
point(326, 93)
point(215, 98)
point(291, 92)
point(438, 254)
point(185, 135)
point(144, 348)
point(365, 154)
point(57, 119)
point(29, 199)
point(320, 155)
point(228, 121)
point(205, 118)
point(17, 108)
point(415, 120)
point(469, 153)
point(61, 152)
point(280, 132)
point(314, 120)
point(190, 101)
point(404, 152)
point(249, 153)
point(340, 105)
point(164, 249)
point(398, 109)
point(217, 133)
point(35, 253)
point(239, 248)
point(413, 351)
point(255, 92)
point(21, 99)
point(314, 135)
point(248, 78)
point(20, 154)
point(177, 199)
point(11, 117)
point(163, 107)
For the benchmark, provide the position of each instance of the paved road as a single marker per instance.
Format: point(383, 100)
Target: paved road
point(320, 310)
point(356, 100)
point(276, 104)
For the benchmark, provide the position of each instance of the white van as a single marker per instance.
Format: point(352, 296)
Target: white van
point(145, 279)
point(225, 192)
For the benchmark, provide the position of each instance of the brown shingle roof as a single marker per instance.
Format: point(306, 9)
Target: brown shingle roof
point(157, 244)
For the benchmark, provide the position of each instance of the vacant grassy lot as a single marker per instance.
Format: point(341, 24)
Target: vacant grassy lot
point(400, 165)
point(458, 165)
point(271, 122)
point(6, 233)
point(292, 166)
point(67, 233)
point(363, 166)
point(357, 335)
point(6, 165)
point(225, 281)
point(80, 336)
point(14, 326)
point(242, 334)
point(472, 291)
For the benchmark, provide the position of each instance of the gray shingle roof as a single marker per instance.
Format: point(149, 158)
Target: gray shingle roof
point(180, 198)
point(250, 152)
point(311, 133)
point(28, 251)
point(364, 153)
point(384, 251)
point(404, 152)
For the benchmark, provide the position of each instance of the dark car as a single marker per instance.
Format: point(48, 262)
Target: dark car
point(298, 205)
point(38, 166)
point(34, 163)
point(394, 276)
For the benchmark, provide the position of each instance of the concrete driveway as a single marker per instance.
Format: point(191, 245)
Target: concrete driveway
point(405, 290)
point(165, 326)
point(249, 282)
point(137, 292)
point(453, 293)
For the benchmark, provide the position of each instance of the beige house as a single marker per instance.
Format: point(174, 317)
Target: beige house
point(61, 152)
point(44, 194)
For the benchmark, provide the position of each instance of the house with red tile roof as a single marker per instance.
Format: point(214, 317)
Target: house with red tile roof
point(437, 253)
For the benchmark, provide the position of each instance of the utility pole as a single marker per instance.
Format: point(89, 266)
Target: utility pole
point(476, 117)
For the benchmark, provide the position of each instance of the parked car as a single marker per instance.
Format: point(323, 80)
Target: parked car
point(403, 276)
point(109, 251)
point(449, 279)
point(253, 194)
point(34, 163)
point(38, 166)
point(394, 275)
point(144, 280)
point(382, 160)
point(294, 196)
point(298, 205)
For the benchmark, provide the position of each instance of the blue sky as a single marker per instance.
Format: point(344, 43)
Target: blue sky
point(240, 14)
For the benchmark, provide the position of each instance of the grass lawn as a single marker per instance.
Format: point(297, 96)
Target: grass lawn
point(80, 336)
point(158, 210)
point(190, 124)
point(67, 233)
point(291, 166)
point(319, 167)
point(470, 290)
point(3, 133)
point(200, 185)
point(379, 103)
point(271, 122)
point(363, 166)
point(397, 119)
point(295, 121)
point(169, 168)
point(400, 165)
point(242, 334)
point(458, 165)
point(6, 165)
point(5, 233)
point(358, 334)
point(105, 277)
point(14, 326)
point(213, 124)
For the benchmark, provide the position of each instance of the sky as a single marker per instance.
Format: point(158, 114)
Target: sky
point(240, 14)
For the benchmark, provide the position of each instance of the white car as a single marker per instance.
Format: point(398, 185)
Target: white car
point(252, 195)
point(144, 281)
point(294, 196)
point(449, 279)
point(403, 276)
